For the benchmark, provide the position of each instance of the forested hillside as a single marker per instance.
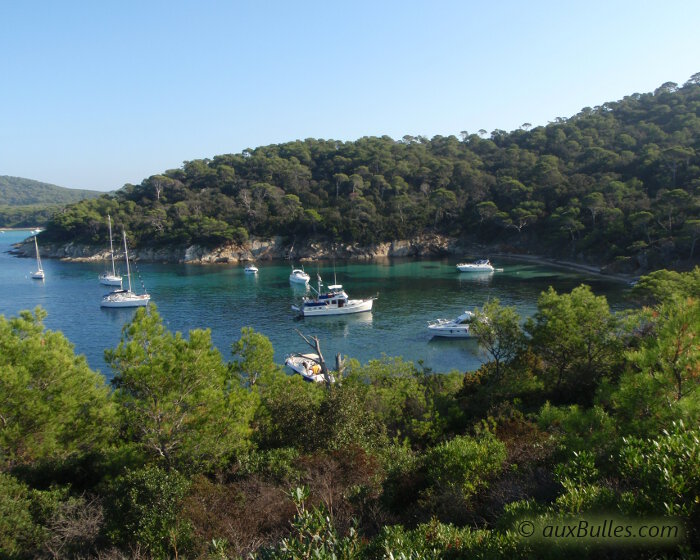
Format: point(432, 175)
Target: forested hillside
point(615, 182)
point(16, 191)
point(24, 202)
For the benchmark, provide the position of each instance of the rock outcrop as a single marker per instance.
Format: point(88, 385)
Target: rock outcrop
point(254, 250)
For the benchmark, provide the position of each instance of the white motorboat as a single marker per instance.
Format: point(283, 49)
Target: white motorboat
point(307, 366)
point(482, 265)
point(110, 278)
point(251, 269)
point(453, 328)
point(125, 298)
point(39, 274)
point(332, 302)
point(298, 276)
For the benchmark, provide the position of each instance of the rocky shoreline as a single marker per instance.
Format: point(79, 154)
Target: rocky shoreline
point(276, 248)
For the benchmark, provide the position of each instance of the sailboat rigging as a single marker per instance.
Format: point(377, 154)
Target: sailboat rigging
point(39, 274)
point(125, 298)
point(106, 278)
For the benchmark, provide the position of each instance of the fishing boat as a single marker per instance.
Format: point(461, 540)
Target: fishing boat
point(333, 301)
point(125, 298)
point(39, 274)
point(482, 265)
point(307, 366)
point(298, 276)
point(110, 278)
point(453, 328)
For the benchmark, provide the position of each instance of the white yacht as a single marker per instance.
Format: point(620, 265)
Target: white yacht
point(110, 278)
point(251, 269)
point(307, 366)
point(125, 298)
point(332, 302)
point(482, 265)
point(39, 274)
point(298, 276)
point(453, 328)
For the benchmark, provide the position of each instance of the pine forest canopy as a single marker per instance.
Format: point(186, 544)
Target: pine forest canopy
point(617, 181)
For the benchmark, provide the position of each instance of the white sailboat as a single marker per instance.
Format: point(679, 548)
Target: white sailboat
point(106, 278)
point(125, 298)
point(39, 274)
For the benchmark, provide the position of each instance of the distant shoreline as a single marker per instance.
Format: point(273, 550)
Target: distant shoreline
point(588, 269)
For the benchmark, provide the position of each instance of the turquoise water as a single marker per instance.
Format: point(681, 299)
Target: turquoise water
point(225, 299)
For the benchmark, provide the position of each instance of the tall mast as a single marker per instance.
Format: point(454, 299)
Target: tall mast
point(126, 254)
point(38, 259)
point(111, 248)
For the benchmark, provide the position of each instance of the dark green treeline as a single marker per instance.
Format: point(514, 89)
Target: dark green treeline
point(617, 182)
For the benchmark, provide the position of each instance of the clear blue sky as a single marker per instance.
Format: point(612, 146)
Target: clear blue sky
point(96, 94)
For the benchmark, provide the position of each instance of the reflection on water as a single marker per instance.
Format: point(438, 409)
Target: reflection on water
point(475, 277)
point(225, 299)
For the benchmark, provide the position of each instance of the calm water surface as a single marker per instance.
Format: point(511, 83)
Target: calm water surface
point(225, 299)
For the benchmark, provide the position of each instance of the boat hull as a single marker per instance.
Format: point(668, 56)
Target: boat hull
point(298, 280)
point(307, 368)
point(474, 268)
point(39, 275)
point(453, 332)
point(352, 306)
point(109, 280)
point(125, 301)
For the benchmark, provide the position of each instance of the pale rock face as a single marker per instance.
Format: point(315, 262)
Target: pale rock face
point(255, 249)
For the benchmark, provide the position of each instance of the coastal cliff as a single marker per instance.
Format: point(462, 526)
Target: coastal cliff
point(254, 249)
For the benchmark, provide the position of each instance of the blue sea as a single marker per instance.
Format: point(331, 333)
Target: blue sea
point(225, 299)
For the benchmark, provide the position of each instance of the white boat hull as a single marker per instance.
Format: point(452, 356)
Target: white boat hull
point(38, 275)
point(352, 306)
point(474, 268)
point(109, 280)
point(128, 299)
point(298, 279)
point(307, 368)
point(450, 332)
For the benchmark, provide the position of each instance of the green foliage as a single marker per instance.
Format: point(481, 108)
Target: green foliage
point(576, 336)
point(174, 395)
point(579, 429)
point(497, 330)
point(26, 216)
point(255, 357)
point(288, 413)
point(398, 396)
point(313, 536)
point(16, 191)
point(52, 406)
point(662, 285)
point(671, 354)
point(438, 541)
point(662, 382)
point(465, 463)
point(663, 472)
point(143, 508)
point(19, 533)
